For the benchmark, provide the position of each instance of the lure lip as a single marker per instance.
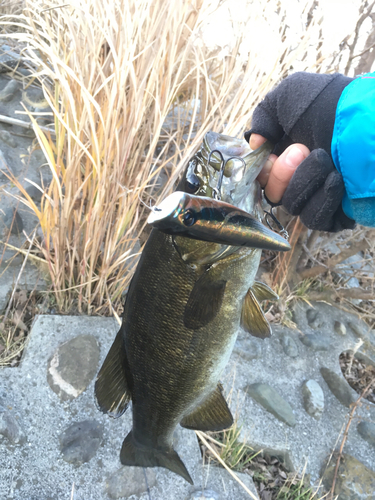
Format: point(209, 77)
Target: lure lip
point(214, 221)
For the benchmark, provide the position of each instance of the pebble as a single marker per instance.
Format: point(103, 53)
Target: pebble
point(313, 319)
point(313, 398)
point(340, 328)
point(290, 346)
point(129, 481)
point(80, 441)
point(205, 495)
point(248, 348)
point(73, 366)
point(338, 386)
point(10, 428)
point(354, 480)
point(271, 401)
point(34, 192)
point(9, 91)
point(7, 137)
point(367, 431)
point(12, 220)
point(315, 342)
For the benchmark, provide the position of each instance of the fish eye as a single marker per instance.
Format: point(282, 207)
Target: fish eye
point(188, 218)
point(192, 183)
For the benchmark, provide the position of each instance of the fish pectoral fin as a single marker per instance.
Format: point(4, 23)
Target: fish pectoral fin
point(253, 319)
point(111, 388)
point(263, 292)
point(212, 415)
point(204, 302)
point(133, 453)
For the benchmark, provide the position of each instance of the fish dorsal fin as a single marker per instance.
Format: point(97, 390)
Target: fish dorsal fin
point(263, 292)
point(204, 301)
point(252, 317)
point(212, 415)
point(111, 388)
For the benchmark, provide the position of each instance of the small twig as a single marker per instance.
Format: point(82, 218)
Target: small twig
point(345, 436)
point(24, 252)
point(18, 278)
point(21, 123)
point(201, 437)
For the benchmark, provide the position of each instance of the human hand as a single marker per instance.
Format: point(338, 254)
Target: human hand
point(298, 117)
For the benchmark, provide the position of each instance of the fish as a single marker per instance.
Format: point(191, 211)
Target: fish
point(184, 307)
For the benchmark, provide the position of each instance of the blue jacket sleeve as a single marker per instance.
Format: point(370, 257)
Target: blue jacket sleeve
point(353, 148)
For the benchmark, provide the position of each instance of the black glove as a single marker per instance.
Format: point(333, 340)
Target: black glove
point(302, 109)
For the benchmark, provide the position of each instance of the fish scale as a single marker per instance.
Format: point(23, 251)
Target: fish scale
point(183, 310)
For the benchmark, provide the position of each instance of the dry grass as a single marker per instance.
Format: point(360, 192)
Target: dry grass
point(133, 89)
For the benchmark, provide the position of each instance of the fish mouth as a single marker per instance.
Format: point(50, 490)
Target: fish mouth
point(214, 221)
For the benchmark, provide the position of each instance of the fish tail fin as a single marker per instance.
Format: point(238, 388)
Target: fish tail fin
point(134, 454)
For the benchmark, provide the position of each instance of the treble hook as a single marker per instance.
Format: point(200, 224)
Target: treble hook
point(284, 233)
point(217, 190)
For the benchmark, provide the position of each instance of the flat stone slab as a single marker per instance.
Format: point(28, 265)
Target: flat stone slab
point(54, 431)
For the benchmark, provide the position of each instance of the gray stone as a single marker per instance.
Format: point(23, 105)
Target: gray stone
point(290, 346)
point(354, 480)
point(315, 342)
point(338, 386)
point(340, 328)
point(73, 366)
point(35, 193)
point(129, 481)
point(80, 441)
point(12, 220)
point(360, 330)
point(271, 401)
point(313, 319)
point(4, 168)
point(10, 428)
point(313, 398)
point(367, 431)
point(248, 348)
point(205, 495)
point(8, 138)
point(34, 97)
point(9, 91)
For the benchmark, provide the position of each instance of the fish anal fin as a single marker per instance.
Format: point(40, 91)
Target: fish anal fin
point(111, 388)
point(263, 292)
point(133, 453)
point(253, 319)
point(212, 415)
point(204, 302)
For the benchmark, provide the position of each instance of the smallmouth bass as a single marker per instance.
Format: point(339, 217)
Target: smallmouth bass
point(185, 304)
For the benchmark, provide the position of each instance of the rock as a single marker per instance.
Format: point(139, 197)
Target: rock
point(315, 342)
point(9, 91)
point(313, 319)
point(129, 481)
point(358, 329)
point(73, 366)
point(12, 220)
point(289, 346)
point(205, 495)
point(313, 398)
point(10, 428)
point(367, 431)
point(340, 328)
point(354, 480)
point(338, 386)
point(248, 348)
point(35, 193)
point(34, 97)
point(271, 400)
point(6, 137)
point(4, 168)
point(80, 441)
